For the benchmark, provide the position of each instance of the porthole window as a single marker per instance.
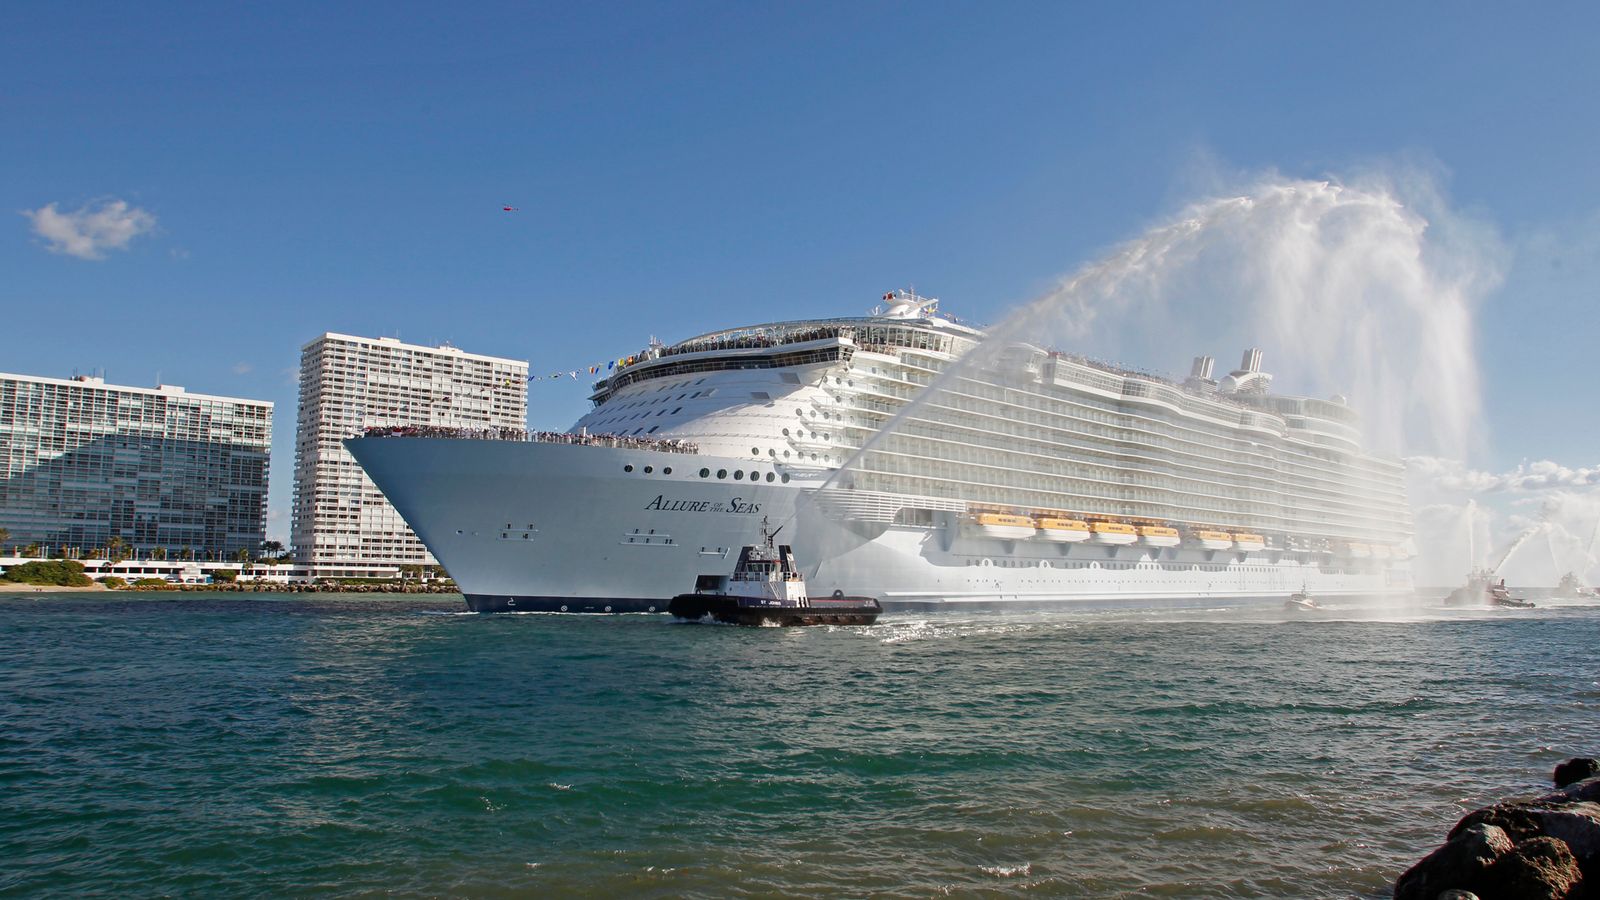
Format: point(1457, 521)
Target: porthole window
point(786, 432)
point(755, 451)
point(738, 474)
point(667, 470)
point(705, 473)
point(770, 476)
point(628, 468)
point(722, 473)
point(649, 469)
point(771, 452)
point(754, 475)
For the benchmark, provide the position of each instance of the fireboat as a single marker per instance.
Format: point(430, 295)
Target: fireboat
point(766, 589)
point(1483, 590)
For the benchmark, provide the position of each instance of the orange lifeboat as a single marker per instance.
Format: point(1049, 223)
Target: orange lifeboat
point(1159, 535)
point(1113, 533)
point(1214, 540)
point(1063, 530)
point(1004, 526)
point(1249, 543)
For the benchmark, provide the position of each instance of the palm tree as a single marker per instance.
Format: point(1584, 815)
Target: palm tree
point(114, 548)
point(158, 553)
point(5, 535)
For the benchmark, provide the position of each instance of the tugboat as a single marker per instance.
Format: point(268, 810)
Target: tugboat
point(1301, 600)
point(1482, 590)
point(1571, 588)
point(766, 589)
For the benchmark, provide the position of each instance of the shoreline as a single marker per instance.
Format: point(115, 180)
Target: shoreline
point(17, 587)
point(10, 589)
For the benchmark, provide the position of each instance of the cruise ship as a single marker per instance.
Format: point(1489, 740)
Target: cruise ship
point(903, 464)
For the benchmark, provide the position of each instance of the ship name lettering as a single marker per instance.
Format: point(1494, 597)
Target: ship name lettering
point(664, 505)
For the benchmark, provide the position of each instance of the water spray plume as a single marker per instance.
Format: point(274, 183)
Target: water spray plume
point(1340, 283)
point(1470, 520)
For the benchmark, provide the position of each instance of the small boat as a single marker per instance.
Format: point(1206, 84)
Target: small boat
point(1159, 535)
point(1482, 590)
point(1301, 600)
point(1214, 540)
point(1063, 530)
point(766, 589)
point(1112, 533)
point(1249, 543)
point(1005, 526)
point(1570, 588)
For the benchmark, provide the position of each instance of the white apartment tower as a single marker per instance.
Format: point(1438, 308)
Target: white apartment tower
point(342, 522)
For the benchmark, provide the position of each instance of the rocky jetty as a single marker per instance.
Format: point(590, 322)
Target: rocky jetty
point(298, 587)
point(1544, 848)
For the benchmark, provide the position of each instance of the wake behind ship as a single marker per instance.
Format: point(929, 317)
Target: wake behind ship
point(1037, 478)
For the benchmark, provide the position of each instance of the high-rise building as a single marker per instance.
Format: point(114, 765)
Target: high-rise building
point(342, 522)
point(83, 462)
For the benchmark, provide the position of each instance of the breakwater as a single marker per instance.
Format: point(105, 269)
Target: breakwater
point(272, 587)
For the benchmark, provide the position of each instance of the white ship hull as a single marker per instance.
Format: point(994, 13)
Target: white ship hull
point(538, 526)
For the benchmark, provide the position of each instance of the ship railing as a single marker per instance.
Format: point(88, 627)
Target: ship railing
point(620, 441)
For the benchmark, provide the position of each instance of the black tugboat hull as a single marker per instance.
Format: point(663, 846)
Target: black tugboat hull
point(730, 610)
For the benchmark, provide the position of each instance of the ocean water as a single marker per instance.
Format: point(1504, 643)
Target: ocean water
point(297, 745)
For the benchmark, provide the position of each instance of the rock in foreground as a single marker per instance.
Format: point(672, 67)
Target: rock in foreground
point(1546, 848)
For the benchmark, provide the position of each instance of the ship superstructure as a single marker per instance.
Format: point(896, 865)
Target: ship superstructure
point(914, 471)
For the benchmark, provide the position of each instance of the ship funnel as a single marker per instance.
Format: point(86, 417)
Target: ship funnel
point(1202, 367)
point(1252, 360)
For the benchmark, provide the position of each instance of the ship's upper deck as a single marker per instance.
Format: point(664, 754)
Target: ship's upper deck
point(911, 322)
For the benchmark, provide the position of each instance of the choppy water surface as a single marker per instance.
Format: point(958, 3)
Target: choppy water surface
point(262, 747)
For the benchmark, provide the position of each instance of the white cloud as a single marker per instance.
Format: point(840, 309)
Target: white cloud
point(242, 368)
point(89, 231)
point(1542, 475)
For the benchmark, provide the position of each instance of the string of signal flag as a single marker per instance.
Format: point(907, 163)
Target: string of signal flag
point(595, 369)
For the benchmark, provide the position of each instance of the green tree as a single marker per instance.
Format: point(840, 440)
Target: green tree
point(116, 549)
point(32, 550)
point(62, 572)
point(242, 555)
point(158, 553)
point(224, 576)
point(5, 535)
point(114, 582)
point(186, 553)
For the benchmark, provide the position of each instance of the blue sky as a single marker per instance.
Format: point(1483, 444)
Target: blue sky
point(681, 167)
